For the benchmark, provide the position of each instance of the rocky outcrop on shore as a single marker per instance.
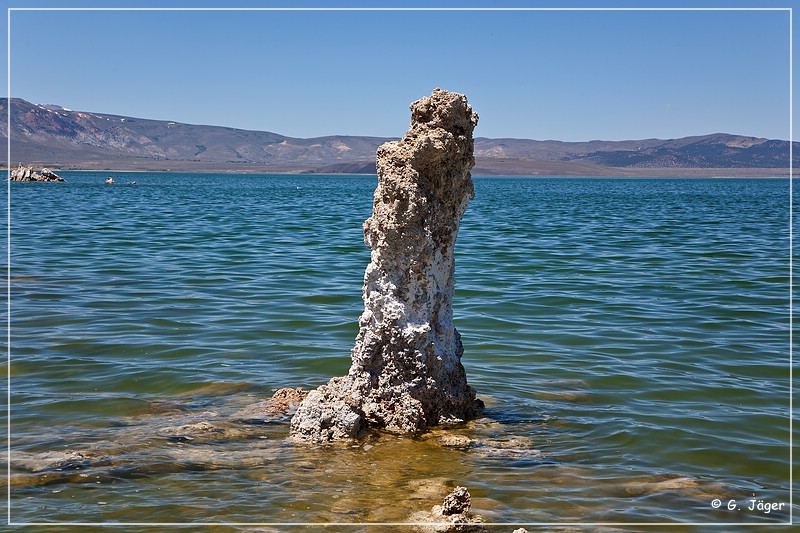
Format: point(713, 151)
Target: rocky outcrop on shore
point(406, 372)
point(28, 174)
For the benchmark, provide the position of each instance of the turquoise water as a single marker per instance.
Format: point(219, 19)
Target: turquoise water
point(634, 331)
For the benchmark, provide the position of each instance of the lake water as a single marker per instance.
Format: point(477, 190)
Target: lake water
point(633, 331)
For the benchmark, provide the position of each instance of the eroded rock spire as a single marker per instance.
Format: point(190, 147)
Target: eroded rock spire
point(406, 373)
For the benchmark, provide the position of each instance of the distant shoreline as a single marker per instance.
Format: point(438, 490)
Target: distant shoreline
point(79, 140)
point(607, 172)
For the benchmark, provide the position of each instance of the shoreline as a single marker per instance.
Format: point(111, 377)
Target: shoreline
point(609, 172)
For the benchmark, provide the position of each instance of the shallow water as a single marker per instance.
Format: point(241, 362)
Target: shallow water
point(635, 332)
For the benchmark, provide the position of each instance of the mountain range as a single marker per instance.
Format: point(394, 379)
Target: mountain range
point(50, 135)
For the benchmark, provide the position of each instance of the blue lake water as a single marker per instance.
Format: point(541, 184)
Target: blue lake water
point(634, 331)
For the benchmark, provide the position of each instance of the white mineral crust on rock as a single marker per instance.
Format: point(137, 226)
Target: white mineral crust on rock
point(28, 174)
point(406, 371)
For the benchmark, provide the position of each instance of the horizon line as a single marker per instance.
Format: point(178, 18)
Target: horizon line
point(400, 9)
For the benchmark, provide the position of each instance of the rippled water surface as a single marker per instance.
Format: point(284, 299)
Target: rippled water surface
point(635, 332)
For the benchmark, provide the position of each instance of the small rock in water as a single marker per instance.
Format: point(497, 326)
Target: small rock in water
point(453, 515)
point(272, 409)
point(457, 502)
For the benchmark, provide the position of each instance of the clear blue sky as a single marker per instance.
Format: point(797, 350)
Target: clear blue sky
point(567, 75)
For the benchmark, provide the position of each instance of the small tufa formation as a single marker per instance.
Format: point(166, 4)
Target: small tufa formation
point(453, 515)
point(28, 174)
point(457, 502)
point(406, 373)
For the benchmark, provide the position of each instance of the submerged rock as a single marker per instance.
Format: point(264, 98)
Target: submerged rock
point(170, 437)
point(59, 460)
point(406, 373)
point(515, 449)
point(456, 441)
point(273, 409)
point(202, 432)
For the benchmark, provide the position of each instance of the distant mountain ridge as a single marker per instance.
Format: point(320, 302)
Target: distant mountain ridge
point(54, 136)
